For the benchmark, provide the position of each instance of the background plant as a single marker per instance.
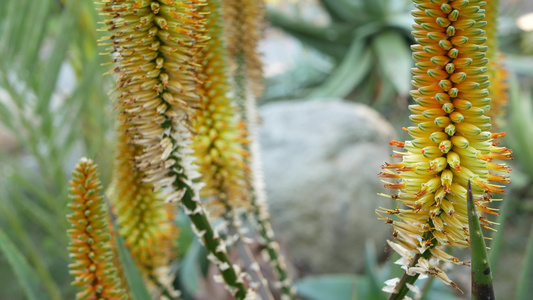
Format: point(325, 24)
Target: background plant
point(54, 102)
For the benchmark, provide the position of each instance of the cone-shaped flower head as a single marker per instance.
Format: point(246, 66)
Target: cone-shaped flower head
point(451, 143)
point(217, 145)
point(90, 247)
point(154, 45)
point(145, 221)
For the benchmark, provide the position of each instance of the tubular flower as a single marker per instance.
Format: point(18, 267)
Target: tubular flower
point(497, 73)
point(451, 143)
point(90, 241)
point(144, 220)
point(154, 45)
point(218, 148)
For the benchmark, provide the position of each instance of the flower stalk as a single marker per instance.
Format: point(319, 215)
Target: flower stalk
point(157, 45)
point(407, 279)
point(451, 141)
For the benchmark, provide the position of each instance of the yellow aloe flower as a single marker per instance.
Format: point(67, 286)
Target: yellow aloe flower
point(218, 143)
point(154, 44)
point(90, 240)
point(451, 143)
point(498, 74)
point(145, 221)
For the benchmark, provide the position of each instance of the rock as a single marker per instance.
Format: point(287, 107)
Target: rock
point(321, 161)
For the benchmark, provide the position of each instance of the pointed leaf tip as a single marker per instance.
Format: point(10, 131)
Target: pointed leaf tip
point(481, 275)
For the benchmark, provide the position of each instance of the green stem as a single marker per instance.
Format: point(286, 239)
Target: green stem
point(266, 233)
point(246, 255)
point(408, 279)
point(212, 242)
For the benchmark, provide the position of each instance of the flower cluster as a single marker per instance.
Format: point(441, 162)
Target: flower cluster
point(451, 140)
point(144, 220)
point(90, 242)
point(154, 45)
point(158, 47)
point(218, 145)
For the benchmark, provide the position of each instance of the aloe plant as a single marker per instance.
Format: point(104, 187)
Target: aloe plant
point(54, 123)
point(360, 36)
point(451, 144)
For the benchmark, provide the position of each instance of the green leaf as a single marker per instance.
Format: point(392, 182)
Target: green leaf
point(137, 288)
point(26, 276)
point(521, 124)
point(374, 284)
point(327, 287)
point(52, 66)
point(186, 236)
point(190, 272)
point(349, 73)
point(394, 59)
point(332, 40)
point(525, 288)
point(346, 10)
point(377, 8)
point(481, 274)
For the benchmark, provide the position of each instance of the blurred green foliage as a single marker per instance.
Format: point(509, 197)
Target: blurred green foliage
point(369, 43)
point(54, 101)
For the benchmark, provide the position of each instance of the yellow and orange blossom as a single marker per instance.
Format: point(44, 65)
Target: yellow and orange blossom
point(154, 44)
point(90, 241)
point(451, 140)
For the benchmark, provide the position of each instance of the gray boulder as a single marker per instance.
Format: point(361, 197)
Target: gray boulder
point(321, 161)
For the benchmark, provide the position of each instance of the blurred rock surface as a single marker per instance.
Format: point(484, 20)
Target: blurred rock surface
point(321, 161)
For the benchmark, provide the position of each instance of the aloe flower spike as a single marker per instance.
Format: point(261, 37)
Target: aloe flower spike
point(90, 247)
point(451, 143)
